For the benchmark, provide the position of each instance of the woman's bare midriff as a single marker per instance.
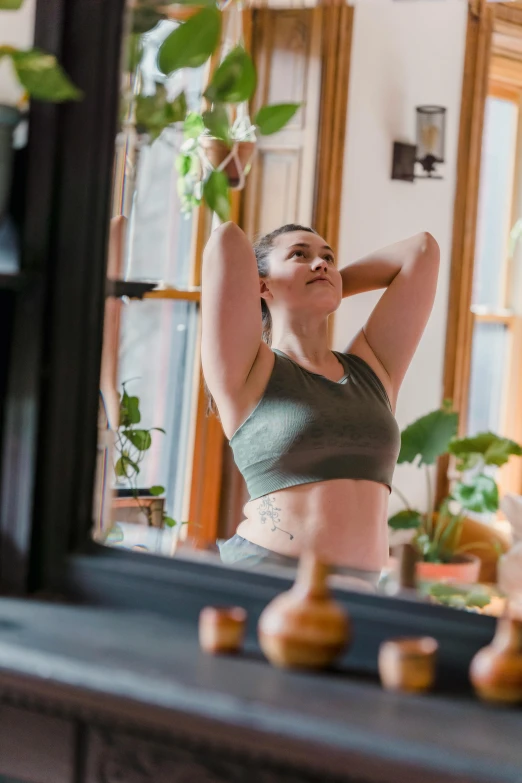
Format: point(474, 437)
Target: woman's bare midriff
point(343, 520)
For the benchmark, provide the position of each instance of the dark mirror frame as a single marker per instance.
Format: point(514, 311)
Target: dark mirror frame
point(50, 401)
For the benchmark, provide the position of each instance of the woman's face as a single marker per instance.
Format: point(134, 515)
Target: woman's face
point(302, 276)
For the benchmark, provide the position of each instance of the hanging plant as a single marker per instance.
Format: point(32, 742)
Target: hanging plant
point(218, 143)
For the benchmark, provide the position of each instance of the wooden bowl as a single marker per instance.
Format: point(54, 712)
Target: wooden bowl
point(222, 629)
point(408, 664)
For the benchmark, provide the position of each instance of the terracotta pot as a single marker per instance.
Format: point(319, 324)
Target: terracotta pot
point(222, 629)
point(485, 542)
point(408, 664)
point(496, 670)
point(217, 151)
point(304, 627)
point(463, 569)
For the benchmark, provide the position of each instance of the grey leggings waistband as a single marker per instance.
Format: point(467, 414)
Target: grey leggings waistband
point(240, 551)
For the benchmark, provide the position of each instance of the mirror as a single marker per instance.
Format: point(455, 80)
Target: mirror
point(242, 113)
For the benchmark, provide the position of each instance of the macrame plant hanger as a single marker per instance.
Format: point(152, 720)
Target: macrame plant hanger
point(233, 37)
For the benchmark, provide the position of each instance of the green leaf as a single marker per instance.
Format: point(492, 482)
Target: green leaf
point(234, 81)
point(271, 119)
point(169, 521)
point(183, 164)
point(408, 519)
point(178, 107)
point(43, 77)
point(468, 462)
point(125, 466)
point(158, 429)
point(191, 44)
point(479, 495)
point(10, 5)
point(217, 195)
point(428, 437)
point(216, 121)
point(154, 113)
point(140, 439)
point(193, 126)
point(129, 410)
point(495, 449)
point(157, 490)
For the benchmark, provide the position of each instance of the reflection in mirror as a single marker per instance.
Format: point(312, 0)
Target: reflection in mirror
point(240, 421)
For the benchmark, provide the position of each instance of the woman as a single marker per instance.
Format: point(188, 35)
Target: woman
point(312, 430)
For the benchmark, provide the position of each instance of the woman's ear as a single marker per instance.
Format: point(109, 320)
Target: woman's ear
point(264, 289)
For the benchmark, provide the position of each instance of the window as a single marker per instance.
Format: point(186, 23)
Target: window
point(493, 302)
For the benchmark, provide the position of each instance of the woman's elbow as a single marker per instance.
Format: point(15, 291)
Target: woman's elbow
point(429, 247)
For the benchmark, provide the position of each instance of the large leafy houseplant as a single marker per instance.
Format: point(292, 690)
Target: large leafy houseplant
point(438, 531)
point(224, 120)
point(38, 72)
point(133, 442)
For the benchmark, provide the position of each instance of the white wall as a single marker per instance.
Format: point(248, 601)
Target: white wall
point(16, 29)
point(404, 54)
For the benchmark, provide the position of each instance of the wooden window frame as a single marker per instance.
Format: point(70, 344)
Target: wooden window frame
point(484, 73)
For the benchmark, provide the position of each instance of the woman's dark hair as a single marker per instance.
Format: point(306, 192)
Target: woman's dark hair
point(262, 248)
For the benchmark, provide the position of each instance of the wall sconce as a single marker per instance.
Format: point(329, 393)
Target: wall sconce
point(429, 150)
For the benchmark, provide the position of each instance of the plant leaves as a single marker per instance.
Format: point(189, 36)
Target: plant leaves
point(217, 195)
point(183, 164)
point(157, 489)
point(169, 521)
point(495, 449)
point(10, 5)
point(193, 125)
point(408, 519)
point(191, 44)
point(43, 77)
point(216, 121)
point(428, 437)
point(140, 439)
point(270, 119)
point(125, 466)
point(154, 113)
point(234, 81)
point(129, 410)
point(479, 495)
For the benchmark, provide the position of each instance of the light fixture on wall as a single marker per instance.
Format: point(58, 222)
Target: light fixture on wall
point(429, 150)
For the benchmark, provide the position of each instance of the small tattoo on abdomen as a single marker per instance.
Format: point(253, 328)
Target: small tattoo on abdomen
point(269, 512)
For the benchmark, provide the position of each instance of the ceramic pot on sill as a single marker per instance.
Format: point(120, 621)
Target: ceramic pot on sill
point(464, 569)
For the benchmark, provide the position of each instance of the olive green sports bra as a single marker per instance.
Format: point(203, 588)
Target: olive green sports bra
point(307, 428)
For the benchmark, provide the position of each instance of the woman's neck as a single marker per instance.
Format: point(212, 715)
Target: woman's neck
point(305, 343)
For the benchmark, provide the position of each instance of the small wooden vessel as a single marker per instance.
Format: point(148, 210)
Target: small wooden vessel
point(408, 664)
point(496, 670)
point(304, 627)
point(222, 629)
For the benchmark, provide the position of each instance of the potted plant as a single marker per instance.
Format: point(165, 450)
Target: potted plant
point(438, 533)
point(219, 142)
point(42, 78)
point(132, 445)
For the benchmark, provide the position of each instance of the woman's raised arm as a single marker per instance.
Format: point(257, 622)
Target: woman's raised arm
point(231, 312)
